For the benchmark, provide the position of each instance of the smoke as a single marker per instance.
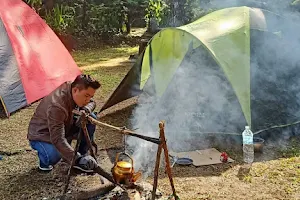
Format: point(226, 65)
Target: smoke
point(199, 103)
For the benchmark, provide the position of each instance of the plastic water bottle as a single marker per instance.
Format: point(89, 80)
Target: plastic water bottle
point(248, 148)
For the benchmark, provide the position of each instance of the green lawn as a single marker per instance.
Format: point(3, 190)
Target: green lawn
point(92, 56)
point(104, 68)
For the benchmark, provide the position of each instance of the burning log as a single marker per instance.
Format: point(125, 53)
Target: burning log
point(141, 191)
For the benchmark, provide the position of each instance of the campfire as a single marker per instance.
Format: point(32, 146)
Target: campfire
point(122, 184)
point(140, 191)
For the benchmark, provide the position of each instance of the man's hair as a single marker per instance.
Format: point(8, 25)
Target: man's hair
point(84, 81)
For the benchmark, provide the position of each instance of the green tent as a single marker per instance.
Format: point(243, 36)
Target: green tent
point(244, 51)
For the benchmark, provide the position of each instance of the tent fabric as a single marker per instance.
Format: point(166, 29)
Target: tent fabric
point(229, 45)
point(130, 84)
point(11, 85)
point(169, 44)
point(229, 28)
point(39, 62)
point(215, 31)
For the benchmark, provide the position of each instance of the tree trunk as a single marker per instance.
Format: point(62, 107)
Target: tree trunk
point(128, 25)
point(84, 8)
point(48, 4)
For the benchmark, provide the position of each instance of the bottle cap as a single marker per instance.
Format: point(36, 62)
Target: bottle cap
point(247, 127)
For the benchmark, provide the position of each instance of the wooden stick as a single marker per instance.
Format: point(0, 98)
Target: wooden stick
point(73, 162)
point(156, 171)
point(120, 129)
point(87, 138)
point(164, 146)
point(126, 132)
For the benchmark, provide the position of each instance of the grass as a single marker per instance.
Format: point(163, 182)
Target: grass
point(293, 150)
point(100, 64)
point(277, 178)
point(109, 77)
point(284, 173)
point(91, 56)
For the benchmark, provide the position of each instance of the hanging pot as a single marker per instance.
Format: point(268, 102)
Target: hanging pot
point(123, 171)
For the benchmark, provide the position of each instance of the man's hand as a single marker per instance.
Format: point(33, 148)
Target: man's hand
point(90, 107)
point(87, 163)
point(82, 116)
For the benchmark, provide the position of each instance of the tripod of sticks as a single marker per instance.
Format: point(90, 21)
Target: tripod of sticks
point(161, 142)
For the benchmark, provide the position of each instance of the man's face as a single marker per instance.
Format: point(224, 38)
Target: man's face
point(82, 97)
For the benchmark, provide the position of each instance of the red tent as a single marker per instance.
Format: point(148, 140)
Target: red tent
point(33, 61)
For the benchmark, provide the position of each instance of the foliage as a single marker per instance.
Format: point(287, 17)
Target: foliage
point(175, 12)
point(106, 17)
point(88, 17)
point(34, 4)
point(155, 10)
point(61, 18)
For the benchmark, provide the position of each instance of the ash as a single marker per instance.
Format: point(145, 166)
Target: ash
point(141, 191)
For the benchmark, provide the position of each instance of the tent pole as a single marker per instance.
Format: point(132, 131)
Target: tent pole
point(3, 104)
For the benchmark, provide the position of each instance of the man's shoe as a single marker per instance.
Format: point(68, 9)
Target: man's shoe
point(46, 169)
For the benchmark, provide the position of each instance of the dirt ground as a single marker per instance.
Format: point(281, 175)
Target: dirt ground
point(274, 179)
point(270, 177)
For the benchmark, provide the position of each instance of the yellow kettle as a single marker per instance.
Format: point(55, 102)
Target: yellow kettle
point(123, 171)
